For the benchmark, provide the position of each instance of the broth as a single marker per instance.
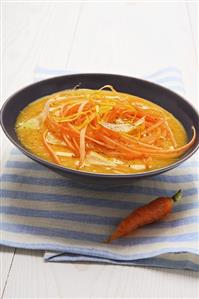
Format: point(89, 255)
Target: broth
point(101, 131)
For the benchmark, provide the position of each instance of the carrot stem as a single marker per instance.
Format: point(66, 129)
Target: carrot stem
point(177, 196)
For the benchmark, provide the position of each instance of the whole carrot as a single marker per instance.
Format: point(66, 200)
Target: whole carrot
point(155, 210)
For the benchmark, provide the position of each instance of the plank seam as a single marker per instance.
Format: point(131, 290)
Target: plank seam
point(6, 282)
point(74, 34)
point(191, 29)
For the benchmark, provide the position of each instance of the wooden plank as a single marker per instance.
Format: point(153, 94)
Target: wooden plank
point(192, 11)
point(83, 280)
point(34, 35)
point(36, 280)
point(135, 38)
point(6, 259)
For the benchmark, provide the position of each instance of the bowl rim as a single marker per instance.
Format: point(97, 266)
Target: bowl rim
point(91, 174)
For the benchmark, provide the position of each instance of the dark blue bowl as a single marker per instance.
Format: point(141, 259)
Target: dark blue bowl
point(167, 99)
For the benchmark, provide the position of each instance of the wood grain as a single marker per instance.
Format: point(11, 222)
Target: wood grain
point(32, 278)
point(6, 259)
point(192, 11)
point(130, 38)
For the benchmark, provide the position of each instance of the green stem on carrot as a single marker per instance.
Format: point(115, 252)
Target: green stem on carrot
point(177, 196)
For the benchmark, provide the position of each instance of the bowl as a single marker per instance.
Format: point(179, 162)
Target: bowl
point(164, 97)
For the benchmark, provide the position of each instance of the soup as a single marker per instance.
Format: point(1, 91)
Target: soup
point(101, 131)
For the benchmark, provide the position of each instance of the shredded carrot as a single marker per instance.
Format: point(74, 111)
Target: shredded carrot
point(75, 144)
point(160, 122)
point(164, 133)
point(82, 146)
point(171, 134)
point(81, 107)
point(78, 121)
point(99, 142)
point(70, 145)
point(70, 108)
point(55, 157)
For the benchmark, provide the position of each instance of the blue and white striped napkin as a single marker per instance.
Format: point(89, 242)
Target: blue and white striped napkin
point(70, 221)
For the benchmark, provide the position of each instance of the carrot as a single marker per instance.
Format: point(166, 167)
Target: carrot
point(81, 107)
point(123, 147)
point(72, 108)
point(75, 143)
point(165, 152)
point(68, 143)
point(148, 139)
point(82, 146)
point(171, 135)
point(160, 122)
point(71, 129)
point(55, 157)
point(68, 116)
point(144, 144)
point(99, 142)
point(71, 117)
point(149, 117)
point(152, 212)
point(164, 133)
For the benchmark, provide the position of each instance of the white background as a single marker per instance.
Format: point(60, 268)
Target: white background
point(127, 37)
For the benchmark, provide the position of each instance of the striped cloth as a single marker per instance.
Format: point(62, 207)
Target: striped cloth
point(70, 221)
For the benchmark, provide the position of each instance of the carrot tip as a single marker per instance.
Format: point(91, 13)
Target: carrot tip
point(110, 239)
point(107, 241)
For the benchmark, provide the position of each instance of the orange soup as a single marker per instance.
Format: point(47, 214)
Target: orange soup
point(101, 131)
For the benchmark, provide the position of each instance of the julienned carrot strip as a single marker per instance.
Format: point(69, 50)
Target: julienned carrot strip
point(109, 87)
point(143, 144)
point(70, 117)
point(157, 135)
point(145, 153)
point(82, 146)
point(91, 112)
point(148, 117)
point(160, 122)
point(171, 135)
point(148, 161)
point(55, 157)
point(75, 143)
point(172, 151)
point(99, 142)
point(141, 150)
point(148, 140)
point(182, 148)
point(70, 108)
point(88, 120)
point(128, 156)
point(73, 129)
point(51, 124)
point(67, 141)
point(164, 133)
point(154, 211)
point(93, 124)
point(123, 147)
point(118, 153)
point(81, 107)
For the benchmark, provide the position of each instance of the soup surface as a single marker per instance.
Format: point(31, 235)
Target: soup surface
point(101, 131)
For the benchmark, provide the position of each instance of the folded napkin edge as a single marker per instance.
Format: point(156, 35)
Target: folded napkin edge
point(97, 252)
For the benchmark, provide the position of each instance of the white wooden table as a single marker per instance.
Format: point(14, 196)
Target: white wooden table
point(132, 38)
